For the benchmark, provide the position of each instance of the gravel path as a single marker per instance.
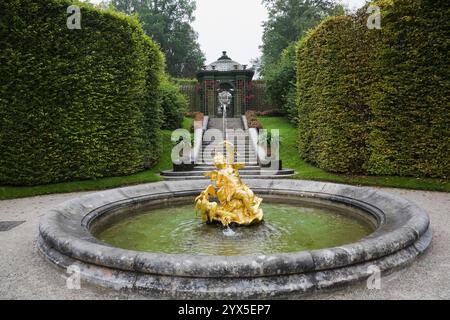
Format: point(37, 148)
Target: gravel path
point(25, 275)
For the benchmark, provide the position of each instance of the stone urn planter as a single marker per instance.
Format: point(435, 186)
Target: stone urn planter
point(183, 167)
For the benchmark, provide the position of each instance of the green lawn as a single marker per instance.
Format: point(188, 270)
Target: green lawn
point(291, 159)
point(152, 175)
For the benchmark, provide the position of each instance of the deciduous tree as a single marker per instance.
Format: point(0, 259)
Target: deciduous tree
point(168, 22)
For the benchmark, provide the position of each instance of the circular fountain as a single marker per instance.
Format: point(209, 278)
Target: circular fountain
point(314, 236)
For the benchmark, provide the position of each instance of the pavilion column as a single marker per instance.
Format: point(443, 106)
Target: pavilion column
point(237, 103)
point(211, 97)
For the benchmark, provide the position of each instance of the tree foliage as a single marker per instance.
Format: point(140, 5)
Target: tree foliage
point(288, 21)
point(281, 82)
point(168, 22)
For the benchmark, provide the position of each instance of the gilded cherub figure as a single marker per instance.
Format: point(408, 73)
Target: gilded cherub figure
point(237, 203)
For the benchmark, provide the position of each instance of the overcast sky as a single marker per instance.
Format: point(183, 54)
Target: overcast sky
point(234, 26)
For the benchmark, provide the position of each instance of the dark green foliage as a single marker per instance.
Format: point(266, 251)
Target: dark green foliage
point(153, 113)
point(378, 101)
point(333, 82)
point(174, 105)
point(168, 22)
point(288, 21)
point(290, 109)
point(411, 104)
point(75, 104)
point(280, 82)
point(185, 81)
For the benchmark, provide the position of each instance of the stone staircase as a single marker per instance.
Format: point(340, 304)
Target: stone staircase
point(245, 153)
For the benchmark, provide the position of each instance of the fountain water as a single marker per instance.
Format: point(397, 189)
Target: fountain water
point(225, 98)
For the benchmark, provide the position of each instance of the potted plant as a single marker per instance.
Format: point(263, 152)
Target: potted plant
point(268, 139)
point(183, 167)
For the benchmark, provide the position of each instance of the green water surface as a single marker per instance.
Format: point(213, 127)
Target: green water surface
point(287, 228)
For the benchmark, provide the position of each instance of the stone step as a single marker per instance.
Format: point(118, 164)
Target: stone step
point(211, 167)
point(245, 154)
point(210, 150)
point(237, 149)
point(240, 159)
point(209, 163)
point(238, 137)
point(247, 148)
point(243, 172)
point(231, 123)
point(242, 146)
point(237, 153)
point(245, 159)
point(242, 176)
point(212, 154)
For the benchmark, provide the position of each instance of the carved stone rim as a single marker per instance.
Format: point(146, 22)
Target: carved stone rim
point(64, 233)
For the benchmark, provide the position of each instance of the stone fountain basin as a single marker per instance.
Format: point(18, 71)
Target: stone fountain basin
point(66, 238)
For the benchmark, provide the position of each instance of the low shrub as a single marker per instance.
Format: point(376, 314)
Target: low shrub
point(252, 120)
point(270, 113)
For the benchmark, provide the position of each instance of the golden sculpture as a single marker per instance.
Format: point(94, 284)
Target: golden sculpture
point(237, 203)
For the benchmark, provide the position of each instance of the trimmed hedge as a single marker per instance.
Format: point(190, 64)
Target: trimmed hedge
point(153, 113)
point(410, 131)
point(374, 101)
point(75, 104)
point(333, 81)
point(174, 105)
point(184, 81)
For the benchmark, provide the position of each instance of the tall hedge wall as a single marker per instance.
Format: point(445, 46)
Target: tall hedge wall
point(333, 80)
point(75, 104)
point(153, 112)
point(377, 101)
point(410, 132)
